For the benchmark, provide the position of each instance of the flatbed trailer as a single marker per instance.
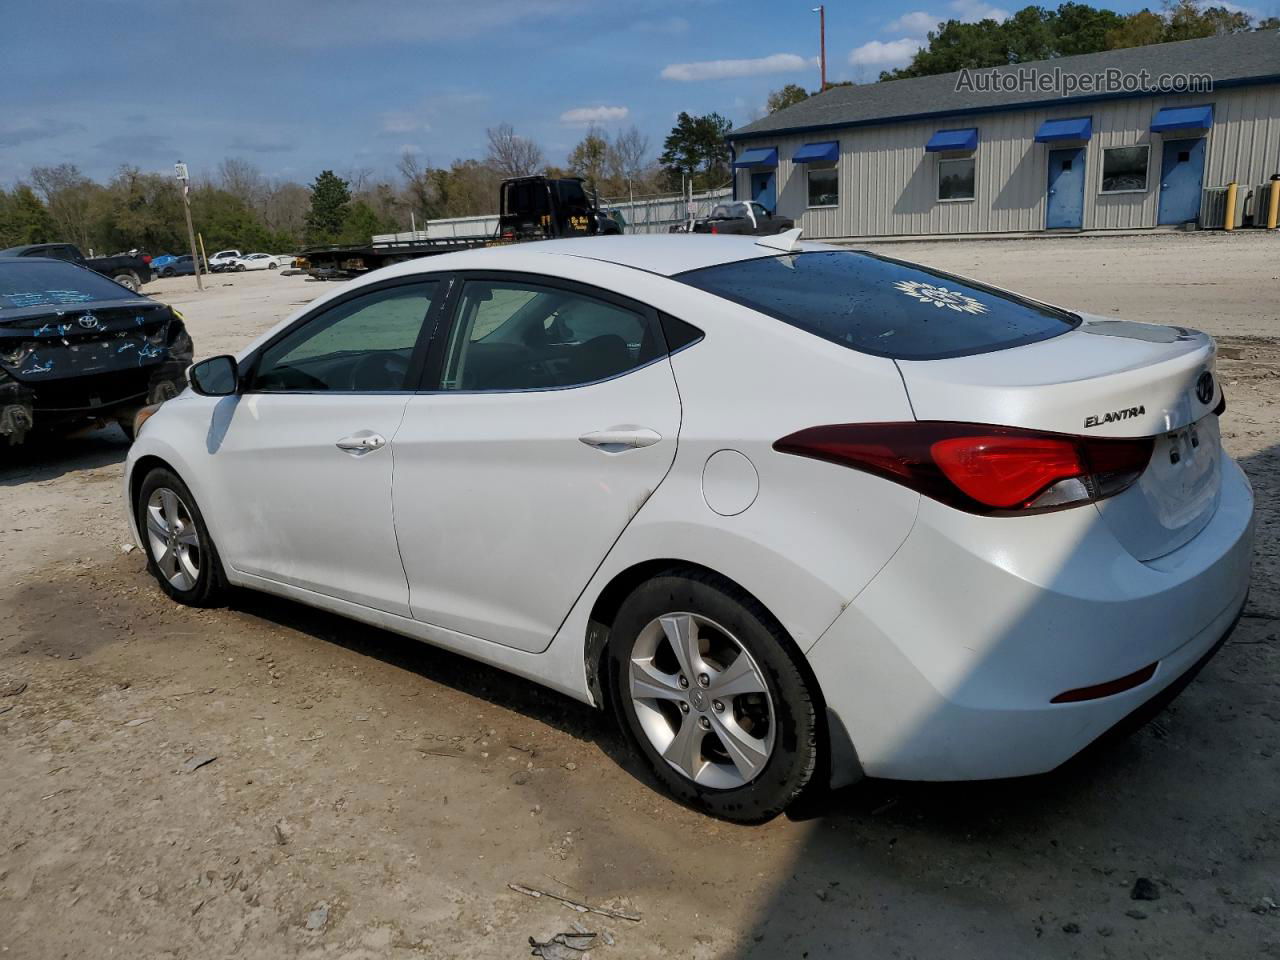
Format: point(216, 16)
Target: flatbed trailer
point(338, 262)
point(532, 208)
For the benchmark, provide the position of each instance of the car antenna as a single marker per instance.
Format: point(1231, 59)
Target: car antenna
point(788, 241)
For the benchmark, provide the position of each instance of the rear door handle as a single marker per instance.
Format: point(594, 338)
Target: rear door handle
point(618, 439)
point(360, 445)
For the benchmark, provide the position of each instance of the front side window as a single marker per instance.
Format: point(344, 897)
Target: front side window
point(517, 336)
point(956, 179)
point(880, 306)
point(1124, 169)
point(362, 345)
point(824, 186)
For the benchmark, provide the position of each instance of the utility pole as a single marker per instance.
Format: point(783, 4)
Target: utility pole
point(180, 169)
point(821, 11)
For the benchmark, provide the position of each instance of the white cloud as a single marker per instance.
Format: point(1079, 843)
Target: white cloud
point(672, 26)
point(585, 116)
point(971, 11)
point(400, 122)
point(721, 69)
point(914, 24)
point(891, 54)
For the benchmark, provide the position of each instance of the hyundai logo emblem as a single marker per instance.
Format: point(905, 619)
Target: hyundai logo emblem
point(88, 321)
point(1204, 387)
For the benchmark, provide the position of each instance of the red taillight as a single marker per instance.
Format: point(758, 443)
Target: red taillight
point(980, 468)
point(714, 228)
point(146, 258)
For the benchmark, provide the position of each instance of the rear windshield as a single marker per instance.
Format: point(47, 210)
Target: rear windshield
point(37, 283)
point(880, 306)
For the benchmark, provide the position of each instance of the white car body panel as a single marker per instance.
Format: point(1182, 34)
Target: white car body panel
point(498, 489)
point(937, 637)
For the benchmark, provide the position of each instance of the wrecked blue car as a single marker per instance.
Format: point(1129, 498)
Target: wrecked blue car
point(77, 348)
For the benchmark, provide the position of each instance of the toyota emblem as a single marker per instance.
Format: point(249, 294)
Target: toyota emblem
point(1204, 387)
point(88, 321)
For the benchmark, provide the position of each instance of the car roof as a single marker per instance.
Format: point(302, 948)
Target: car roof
point(665, 254)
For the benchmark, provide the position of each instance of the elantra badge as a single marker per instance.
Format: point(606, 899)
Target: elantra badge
point(1204, 387)
point(1111, 416)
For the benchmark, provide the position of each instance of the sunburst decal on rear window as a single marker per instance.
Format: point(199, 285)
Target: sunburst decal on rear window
point(940, 296)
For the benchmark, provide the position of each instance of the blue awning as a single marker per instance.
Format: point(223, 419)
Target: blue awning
point(1077, 128)
point(818, 153)
point(948, 140)
point(757, 157)
point(1182, 118)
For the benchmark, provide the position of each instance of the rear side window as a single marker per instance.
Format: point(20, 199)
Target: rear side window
point(882, 307)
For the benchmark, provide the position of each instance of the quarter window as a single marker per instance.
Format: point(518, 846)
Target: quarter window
point(824, 186)
point(956, 179)
point(1124, 169)
point(363, 345)
point(516, 336)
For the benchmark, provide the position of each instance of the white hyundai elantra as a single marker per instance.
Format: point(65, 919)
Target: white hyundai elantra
point(795, 513)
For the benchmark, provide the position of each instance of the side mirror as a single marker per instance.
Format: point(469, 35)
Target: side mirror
point(215, 377)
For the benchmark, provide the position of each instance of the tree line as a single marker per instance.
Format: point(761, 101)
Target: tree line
point(239, 206)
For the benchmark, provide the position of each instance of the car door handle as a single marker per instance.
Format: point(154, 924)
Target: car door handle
point(359, 445)
point(617, 439)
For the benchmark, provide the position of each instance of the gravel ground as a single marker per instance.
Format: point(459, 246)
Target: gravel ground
point(371, 797)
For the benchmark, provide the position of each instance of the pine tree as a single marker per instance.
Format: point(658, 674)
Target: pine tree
point(330, 201)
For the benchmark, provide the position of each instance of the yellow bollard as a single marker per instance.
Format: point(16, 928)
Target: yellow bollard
point(1273, 207)
point(1229, 220)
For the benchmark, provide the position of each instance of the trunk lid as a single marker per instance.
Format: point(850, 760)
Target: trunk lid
point(42, 345)
point(1106, 378)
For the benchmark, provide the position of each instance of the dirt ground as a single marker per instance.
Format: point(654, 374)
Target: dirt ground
point(371, 797)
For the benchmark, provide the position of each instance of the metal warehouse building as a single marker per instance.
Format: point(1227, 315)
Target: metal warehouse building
point(963, 153)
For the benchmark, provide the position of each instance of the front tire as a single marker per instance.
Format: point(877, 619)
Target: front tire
point(180, 553)
point(709, 689)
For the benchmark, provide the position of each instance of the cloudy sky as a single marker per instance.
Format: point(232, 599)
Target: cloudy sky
point(298, 85)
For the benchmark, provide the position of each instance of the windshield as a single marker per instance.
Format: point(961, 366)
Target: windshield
point(883, 307)
point(34, 283)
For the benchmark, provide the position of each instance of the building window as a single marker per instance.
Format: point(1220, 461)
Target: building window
point(1124, 169)
point(824, 186)
point(956, 179)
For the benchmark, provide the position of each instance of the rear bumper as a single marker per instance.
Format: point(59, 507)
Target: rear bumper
point(945, 666)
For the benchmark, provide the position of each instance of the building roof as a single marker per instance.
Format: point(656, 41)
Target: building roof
point(1233, 60)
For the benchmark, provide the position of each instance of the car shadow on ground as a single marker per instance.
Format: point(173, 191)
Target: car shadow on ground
point(1047, 866)
point(444, 667)
point(47, 457)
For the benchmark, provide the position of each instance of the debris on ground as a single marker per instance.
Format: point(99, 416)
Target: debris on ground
point(563, 946)
point(1144, 889)
point(138, 721)
point(282, 832)
point(318, 917)
point(12, 688)
point(580, 907)
point(127, 548)
point(198, 761)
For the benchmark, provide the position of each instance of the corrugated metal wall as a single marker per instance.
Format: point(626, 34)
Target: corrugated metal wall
point(888, 184)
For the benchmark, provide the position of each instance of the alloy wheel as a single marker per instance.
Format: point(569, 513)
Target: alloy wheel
point(174, 541)
point(701, 700)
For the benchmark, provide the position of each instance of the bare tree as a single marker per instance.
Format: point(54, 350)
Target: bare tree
point(358, 179)
point(285, 207)
point(511, 154)
point(69, 194)
point(627, 157)
point(243, 180)
point(420, 191)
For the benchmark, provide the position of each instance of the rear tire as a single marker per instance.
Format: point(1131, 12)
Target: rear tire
point(739, 738)
point(180, 553)
point(129, 280)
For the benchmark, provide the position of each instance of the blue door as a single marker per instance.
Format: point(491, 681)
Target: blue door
point(1181, 176)
point(1066, 189)
point(763, 189)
